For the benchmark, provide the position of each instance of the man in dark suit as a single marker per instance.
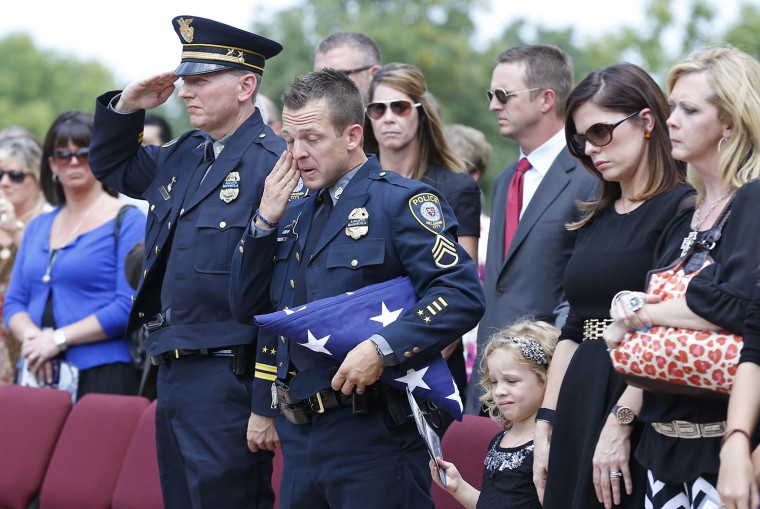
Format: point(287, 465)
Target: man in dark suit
point(347, 440)
point(202, 188)
point(533, 199)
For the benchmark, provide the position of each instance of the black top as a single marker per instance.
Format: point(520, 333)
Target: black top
point(721, 294)
point(613, 253)
point(751, 348)
point(508, 477)
point(462, 193)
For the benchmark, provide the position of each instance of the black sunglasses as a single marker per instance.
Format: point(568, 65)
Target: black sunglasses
point(64, 156)
point(349, 72)
point(503, 96)
point(599, 135)
point(376, 110)
point(16, 176)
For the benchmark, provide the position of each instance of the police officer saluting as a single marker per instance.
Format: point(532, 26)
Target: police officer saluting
point(364, 226)
point(202, 188)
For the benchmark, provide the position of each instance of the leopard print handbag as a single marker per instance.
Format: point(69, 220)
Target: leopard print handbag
point(680, 361)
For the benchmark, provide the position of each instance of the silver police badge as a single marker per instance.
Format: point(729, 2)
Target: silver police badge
point(230, 187)
point(358, 223)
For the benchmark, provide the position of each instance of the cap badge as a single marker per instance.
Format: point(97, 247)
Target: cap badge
point(185, 29)
point(230, 187)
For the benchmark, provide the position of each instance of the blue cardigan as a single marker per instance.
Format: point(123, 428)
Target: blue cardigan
point(87, 278)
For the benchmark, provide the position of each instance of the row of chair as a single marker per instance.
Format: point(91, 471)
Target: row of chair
point(102, 452)
point(99, 454)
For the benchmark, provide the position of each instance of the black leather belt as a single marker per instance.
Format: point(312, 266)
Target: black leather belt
point(178, 353)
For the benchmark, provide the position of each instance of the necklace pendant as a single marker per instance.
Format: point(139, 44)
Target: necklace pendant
point(5, 253)
point(688, 241)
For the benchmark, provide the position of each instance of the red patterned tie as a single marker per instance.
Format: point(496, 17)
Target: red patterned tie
point(514, 202)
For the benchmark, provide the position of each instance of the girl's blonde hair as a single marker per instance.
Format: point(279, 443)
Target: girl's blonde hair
point(532, 342)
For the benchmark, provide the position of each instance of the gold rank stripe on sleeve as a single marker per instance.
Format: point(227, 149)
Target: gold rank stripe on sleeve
point(426, 313)
point(266, 372)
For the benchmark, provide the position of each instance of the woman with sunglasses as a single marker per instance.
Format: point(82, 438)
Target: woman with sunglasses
point(616, 126)
point(68, 297)
point(406, 132)
point(21, 200)
point(714, 127)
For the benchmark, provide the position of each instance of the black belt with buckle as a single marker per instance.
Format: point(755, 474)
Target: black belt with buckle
point(300, 411)
point(178, 353)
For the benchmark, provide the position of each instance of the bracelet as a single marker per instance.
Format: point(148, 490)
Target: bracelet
point(264, 220)
point(619, 295)
point(545, 414)
point(736, 430)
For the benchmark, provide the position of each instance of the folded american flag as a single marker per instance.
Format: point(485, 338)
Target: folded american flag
point(335, 325)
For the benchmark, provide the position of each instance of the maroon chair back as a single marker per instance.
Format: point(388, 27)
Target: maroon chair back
point(465, 444)
point(276, 475)
point(31, 423)
point(139, 485)
point(90, 451)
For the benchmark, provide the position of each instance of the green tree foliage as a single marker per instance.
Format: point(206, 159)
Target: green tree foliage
point(37, 85)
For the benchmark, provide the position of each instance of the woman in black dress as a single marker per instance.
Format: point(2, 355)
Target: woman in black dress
point(616, 127)
point(715, 127)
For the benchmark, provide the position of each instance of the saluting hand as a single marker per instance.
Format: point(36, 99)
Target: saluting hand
point(146, 93)
point(277, 188)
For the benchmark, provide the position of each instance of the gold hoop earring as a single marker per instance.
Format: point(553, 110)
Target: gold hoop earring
point(720, 144)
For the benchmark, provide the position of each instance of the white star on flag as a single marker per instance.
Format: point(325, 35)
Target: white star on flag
point(317, 345)
point(414, 379)
point(455, 397)
point(387, 317)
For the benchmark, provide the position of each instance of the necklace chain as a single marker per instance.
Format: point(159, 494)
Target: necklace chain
point(75, 230)
point(519, 441)
point(698, 219)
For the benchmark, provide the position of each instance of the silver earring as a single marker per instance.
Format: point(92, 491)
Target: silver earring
point(720, 144)
point(55, 177)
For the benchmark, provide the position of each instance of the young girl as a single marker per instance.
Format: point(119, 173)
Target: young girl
point(514, 378)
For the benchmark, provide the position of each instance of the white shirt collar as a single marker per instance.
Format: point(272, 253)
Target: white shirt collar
point(543, 157)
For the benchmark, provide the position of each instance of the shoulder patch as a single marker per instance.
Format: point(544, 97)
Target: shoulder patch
point(426, 209)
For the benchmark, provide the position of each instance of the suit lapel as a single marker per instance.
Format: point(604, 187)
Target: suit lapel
point(551, 186)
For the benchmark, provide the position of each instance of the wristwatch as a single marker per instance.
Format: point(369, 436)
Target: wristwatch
point(59, 338)
point(623, 414)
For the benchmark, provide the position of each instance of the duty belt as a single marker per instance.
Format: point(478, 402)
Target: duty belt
point(177, 353)
point(300, 411)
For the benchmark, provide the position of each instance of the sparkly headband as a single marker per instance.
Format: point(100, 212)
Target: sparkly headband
point(530, 349)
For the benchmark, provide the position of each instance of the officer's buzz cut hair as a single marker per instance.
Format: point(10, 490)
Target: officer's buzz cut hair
point(344, 100)
point(362, 44)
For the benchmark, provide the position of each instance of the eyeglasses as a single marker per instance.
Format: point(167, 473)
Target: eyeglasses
point(16, 176)
point(64, 156)
point(349, 72)
point(503, 96)
point(376, 110)
point(599, 135)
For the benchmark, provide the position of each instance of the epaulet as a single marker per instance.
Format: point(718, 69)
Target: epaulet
point(392, 178)
point(270, 141)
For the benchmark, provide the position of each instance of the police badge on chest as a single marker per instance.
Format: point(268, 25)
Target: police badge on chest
point(358, 223)
point(230, 187)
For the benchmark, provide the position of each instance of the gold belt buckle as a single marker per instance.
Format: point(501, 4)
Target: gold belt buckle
point(176, 353)
point(321, 405)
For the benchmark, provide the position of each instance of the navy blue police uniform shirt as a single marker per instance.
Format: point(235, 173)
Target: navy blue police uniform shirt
point(382, 226)
point(200, 224)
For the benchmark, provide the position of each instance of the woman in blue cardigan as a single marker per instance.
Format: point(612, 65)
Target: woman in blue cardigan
point(68, 296)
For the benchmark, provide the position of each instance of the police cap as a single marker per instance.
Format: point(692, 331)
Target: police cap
point(210, 46)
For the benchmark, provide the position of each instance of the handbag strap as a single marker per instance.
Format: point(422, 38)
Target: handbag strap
point(700, 249)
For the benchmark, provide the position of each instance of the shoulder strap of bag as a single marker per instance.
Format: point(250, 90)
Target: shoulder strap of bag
point(117, 222)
